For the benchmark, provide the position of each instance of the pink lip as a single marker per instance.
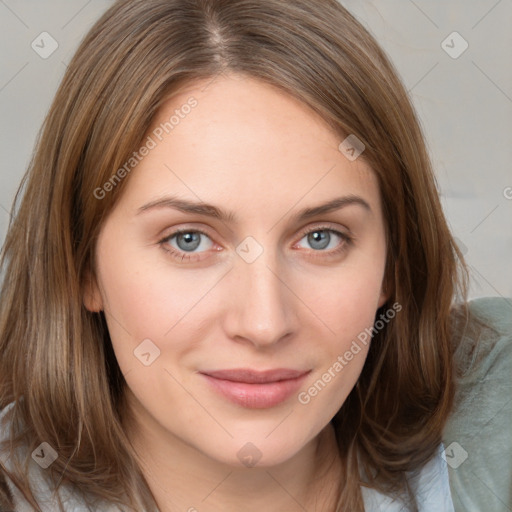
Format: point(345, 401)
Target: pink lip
point(256, 389)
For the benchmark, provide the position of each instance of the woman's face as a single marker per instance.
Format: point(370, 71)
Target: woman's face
point(239, 336)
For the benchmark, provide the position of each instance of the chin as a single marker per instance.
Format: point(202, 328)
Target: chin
point(259, 450)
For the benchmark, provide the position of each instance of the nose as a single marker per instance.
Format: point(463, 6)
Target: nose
point(262, 305)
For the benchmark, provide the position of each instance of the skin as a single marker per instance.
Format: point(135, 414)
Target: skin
point(253, 150)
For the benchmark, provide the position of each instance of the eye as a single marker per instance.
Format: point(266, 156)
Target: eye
point(183, 243)
point(321, 238)
point(189, 244)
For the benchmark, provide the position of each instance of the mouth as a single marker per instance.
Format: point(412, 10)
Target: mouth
point(256, 389)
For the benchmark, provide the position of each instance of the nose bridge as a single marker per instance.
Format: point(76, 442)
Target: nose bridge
point(262, 302)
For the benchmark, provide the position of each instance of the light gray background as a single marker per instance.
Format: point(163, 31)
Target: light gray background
point(464, 103)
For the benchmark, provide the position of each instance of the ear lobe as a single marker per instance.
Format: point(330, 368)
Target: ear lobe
point(387, 288)
point(384, 294)
point(91, 294)
point(383, 298)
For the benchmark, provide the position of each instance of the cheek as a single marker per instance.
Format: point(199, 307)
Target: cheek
point(138, 303)
point(148, 298)
point(346, 298)
point(149, 301)
point(341, 353)
point(345, 302)
point(349, 315)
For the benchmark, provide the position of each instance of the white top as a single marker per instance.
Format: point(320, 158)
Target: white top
point(431, 489)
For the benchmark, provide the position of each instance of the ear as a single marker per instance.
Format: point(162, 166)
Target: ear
point(387, 289)
point(385, 292)
point(383, 297)
point(92, 299)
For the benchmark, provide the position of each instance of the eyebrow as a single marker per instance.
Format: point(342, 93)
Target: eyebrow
point(209, 210)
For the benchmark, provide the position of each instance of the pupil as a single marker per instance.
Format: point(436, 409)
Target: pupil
point(321, 238)
point(191, 240)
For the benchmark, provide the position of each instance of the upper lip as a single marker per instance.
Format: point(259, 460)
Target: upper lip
point(248, 376)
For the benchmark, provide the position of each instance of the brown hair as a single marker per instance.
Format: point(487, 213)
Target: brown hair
point(57, 362)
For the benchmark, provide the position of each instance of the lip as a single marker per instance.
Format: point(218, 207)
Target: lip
point(256, 389)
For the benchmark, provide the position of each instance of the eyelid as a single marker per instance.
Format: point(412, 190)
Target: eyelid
point(304, 231)
point(326, 226)
point(168, 233)
point(177, 231)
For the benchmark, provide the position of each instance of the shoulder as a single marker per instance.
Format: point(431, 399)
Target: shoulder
point(477, 437)
point(429, 485)
point(9, 456)
point(497, 310)
point(7, 496)
point(45, 493)
point(482, 341)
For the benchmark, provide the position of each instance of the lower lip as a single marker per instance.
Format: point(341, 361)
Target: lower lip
point(256, 396)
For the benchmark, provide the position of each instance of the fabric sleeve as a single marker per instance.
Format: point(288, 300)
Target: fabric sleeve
point(478, 435)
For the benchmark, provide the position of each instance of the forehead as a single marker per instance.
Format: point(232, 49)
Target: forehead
point(247, 142)
point(247, 108)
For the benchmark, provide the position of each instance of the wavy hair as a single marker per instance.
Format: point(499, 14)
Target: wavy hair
point(58, 367)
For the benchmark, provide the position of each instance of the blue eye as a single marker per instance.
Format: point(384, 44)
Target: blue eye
point(187, 241)
point(321, 238)
point(183, 244)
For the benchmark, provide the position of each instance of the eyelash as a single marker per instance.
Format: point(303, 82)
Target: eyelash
point(346, 241)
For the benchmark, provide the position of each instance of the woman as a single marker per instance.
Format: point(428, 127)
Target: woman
point(229, 284)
